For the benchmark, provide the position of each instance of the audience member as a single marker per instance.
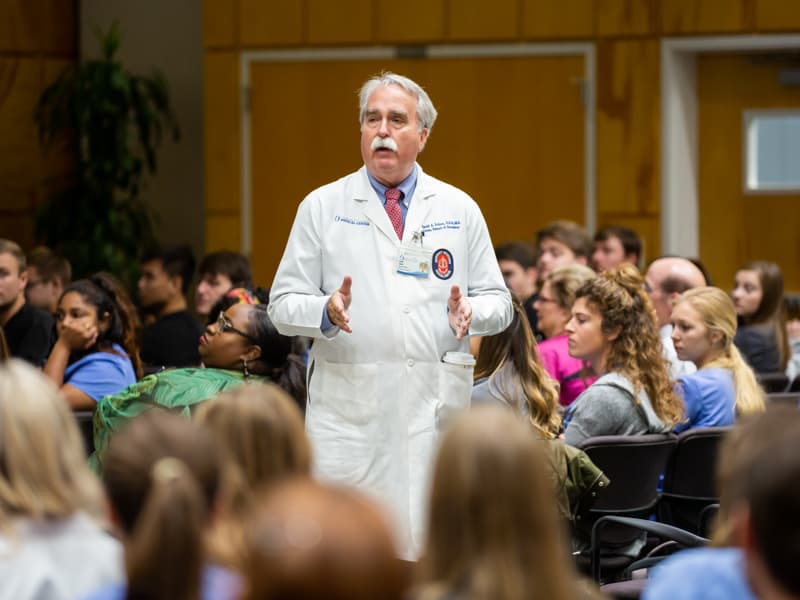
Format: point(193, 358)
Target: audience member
point(758, 298)
point(242, 345)
point(554, 306)
point(759, 471)
point(52, 541)
point(28, 330)
point(170, 341)
point(163, 478)
point(48, 275)
point(219, 272)
point(614, 246)
point(517, 261)
point(493, 530)
point(666, 277)
point(4, 353)
point(613, 326)
point(261, 429)
point(724, 386)
point(96, 353)
point(508, 372)
point(792, 310)
point(319, 542)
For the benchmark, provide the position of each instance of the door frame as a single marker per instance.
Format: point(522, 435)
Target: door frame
point(584, 49)
point(680, 160)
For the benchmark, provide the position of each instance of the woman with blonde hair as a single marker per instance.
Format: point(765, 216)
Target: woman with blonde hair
point(261, 430)
point(508, 371)
point(492, 527)
point(51, 541)
point(553, 308)
point(613, 326)
point(724, 386)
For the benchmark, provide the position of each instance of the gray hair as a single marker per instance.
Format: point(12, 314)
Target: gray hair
point(426, 113)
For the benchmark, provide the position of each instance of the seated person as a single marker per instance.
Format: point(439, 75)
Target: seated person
point(517, 262)
point(758, 298)
point(553, 307)
point(724, 386)
point(758, 472)
point(614, 246)
point(28, 330)
point(96, 353)
point(171, 340)
point(52, 544)
point(219, 272)
point(242, 345)
point(613, 327)
point(48, 275)
point(793, 335)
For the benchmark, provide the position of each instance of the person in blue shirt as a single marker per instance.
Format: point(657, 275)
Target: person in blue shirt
point(724, 386)
point(97, 352)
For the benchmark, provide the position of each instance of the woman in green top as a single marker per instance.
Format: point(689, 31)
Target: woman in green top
point(241, 345)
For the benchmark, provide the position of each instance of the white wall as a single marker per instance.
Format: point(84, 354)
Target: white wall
point(164, 34)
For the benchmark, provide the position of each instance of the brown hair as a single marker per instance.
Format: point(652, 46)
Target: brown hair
point(771, 309)
point(515, 349)
point(162, 474)
point(572, 235)
point(719, 314)
point(12, 248)
point(619, 296)
point(318, 542)
point(50, 265)
point(4, 352)
point(493, 531)
point(565, 281)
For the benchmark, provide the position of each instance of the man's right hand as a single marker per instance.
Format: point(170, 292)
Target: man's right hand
point(339, 304)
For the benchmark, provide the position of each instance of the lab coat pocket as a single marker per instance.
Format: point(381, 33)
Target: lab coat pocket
point(345, 392)
point(455, 390)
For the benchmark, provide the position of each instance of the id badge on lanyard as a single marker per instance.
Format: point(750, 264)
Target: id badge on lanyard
point(414, 260)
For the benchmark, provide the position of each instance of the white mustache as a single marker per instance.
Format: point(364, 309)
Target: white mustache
point(379, 142)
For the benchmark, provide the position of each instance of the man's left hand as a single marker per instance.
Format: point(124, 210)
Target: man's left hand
point(459, 312)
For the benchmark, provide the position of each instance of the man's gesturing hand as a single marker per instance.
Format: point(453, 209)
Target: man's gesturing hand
point(459, 312)
point(338, 305)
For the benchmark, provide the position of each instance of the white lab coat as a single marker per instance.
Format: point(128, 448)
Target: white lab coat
point(379, 397)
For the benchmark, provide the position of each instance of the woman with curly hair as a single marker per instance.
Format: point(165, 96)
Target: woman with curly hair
point(508, 371)
point(97, 352)
point(613, 326)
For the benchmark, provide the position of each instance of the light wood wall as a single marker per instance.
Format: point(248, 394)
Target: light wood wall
point(626, 34)
point(37, 40)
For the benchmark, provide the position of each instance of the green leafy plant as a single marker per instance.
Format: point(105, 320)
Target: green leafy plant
point(113, 122)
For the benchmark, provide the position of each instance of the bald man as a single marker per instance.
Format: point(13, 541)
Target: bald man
point(666, 278)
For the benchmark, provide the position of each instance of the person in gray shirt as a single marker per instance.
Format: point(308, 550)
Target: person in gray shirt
point(613, 327)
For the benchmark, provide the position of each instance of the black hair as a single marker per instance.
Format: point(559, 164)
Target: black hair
point(233, 265)
point(177, 261)
point(631, 243)
point(521, 253)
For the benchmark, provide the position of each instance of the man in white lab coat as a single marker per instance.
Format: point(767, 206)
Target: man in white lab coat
point(388, 269)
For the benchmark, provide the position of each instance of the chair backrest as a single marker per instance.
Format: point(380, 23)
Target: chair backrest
point(689, 479)
point(634, 464)
point(773, 382)
point(784, 399)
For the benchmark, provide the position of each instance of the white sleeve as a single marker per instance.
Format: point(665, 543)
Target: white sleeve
point(296, 299)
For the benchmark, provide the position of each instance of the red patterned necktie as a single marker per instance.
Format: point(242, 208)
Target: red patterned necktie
point(393, 210)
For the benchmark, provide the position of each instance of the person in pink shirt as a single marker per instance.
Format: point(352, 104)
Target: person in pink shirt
point(553, 309)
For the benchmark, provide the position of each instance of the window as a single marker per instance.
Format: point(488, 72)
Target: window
point(772, 151)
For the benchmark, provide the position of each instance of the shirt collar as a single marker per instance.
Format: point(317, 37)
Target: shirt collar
point(406, 186)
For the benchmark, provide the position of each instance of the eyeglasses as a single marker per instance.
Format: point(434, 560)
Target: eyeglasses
point(224, 325)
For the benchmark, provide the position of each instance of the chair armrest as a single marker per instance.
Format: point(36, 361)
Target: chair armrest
point(662, 530)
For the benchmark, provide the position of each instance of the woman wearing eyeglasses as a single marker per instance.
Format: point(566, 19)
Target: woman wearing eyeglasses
point(242, 345)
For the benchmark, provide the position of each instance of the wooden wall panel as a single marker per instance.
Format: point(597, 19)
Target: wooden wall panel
point(777, 15)
point(280, 22)
point(59, 27)
point(735, 227)
point(21, 25)
point(483, 19)
point(222, 130)
point(17, 226)
point(628, 127)
point(340, 22)
point(223, 233)
point(394, 25)
point(626, 17)
point(220, 23)
point(553, 19)
point(705, 16)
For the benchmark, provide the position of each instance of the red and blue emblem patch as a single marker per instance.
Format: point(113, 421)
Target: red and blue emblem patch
point(442, 264)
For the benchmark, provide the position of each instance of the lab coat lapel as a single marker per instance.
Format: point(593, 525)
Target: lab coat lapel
point(373, 208)
point(420, 205)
